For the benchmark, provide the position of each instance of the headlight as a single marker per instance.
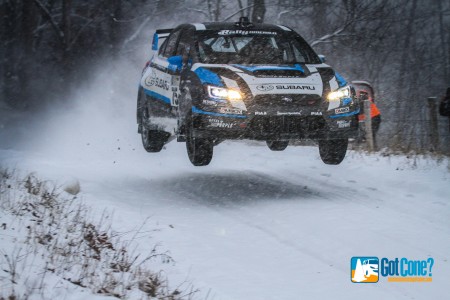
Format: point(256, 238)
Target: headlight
point(223, 93)
point(343, 92)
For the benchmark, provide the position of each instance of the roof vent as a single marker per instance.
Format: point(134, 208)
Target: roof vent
point(244, 22)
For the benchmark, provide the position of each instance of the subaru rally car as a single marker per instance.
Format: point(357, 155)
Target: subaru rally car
point(209, 82)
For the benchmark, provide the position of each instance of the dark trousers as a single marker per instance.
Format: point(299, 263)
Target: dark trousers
point(376, 121)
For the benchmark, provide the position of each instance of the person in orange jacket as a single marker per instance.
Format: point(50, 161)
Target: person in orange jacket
point(366, 88)
point(374, 114)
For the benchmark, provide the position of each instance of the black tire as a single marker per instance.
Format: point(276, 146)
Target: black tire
point(152, 140)
point(140, 106)
point(277, 145)
point(200, 150)
point(332, 152)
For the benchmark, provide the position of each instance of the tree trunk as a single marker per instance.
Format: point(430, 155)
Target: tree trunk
point(444, 42)
point(66, 29)
point(400, 111)
point(24, 66)
point(115, 27)
point(350, 11)
point(217, 11)
point(9, 40)
point(241, 7)
point(319, 18)
point(249, 9)
point(210, 10)
point(259, 10)
point(406, 51)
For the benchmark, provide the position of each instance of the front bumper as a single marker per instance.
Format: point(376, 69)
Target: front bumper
point(277, 126)
point(277, 117)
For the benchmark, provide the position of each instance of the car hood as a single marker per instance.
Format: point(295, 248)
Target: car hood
point(263, 79)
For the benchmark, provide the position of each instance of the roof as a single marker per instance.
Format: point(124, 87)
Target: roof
point(237, 26)
point(244, 25)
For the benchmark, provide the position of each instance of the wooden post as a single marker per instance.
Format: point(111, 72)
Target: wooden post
point(368, 125)
point(433, 128)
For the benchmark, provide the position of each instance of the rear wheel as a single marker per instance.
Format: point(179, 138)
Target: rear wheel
point(152, 140)
point(277, 145)
point(140, 107)
point(332, 152)
point(200, 150)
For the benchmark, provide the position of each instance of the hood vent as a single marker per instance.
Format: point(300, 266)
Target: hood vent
point(279, 73)
point(326, 73)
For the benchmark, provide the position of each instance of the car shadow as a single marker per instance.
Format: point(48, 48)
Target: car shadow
point(232, 187)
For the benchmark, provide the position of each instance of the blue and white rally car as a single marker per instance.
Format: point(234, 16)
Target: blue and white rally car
point(210, 82)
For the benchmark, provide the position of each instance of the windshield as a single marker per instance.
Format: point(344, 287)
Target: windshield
point(253, 47)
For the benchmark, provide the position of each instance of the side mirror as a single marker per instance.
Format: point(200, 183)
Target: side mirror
point(322, 57)
point(175, 63)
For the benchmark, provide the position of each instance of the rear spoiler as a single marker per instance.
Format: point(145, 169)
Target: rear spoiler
point(160, 33)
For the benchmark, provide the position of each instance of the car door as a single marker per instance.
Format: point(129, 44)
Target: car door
point(183, 50)
point(157, 80)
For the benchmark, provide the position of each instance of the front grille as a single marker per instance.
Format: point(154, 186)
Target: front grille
point(286, 124)
point(285, 100)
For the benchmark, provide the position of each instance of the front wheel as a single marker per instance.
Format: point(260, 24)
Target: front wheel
point(200, 150)
point(277, 145)
point(332, 152)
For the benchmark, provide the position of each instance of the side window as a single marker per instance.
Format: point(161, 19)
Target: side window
point(171, 44)
point(298, 55)
point(183, 47)
point(162, 47)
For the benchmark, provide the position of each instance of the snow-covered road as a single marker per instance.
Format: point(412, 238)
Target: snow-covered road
point(257, 224)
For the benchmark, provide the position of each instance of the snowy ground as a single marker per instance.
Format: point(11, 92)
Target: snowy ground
point(254, 224)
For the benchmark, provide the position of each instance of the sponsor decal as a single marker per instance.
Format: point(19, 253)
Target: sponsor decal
point(219, 123)
point(276, 76)
point(295, 87)
point(343, 123)
point(265, 87)
point(369, 269)
point(342, 110)
point(289, 113)
point(260, 113)
point(153, 80)
point(227, 110)
point(150, 80)
point(246, 32)
point(316, 113)
point(209, 102)
point(175, 98)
